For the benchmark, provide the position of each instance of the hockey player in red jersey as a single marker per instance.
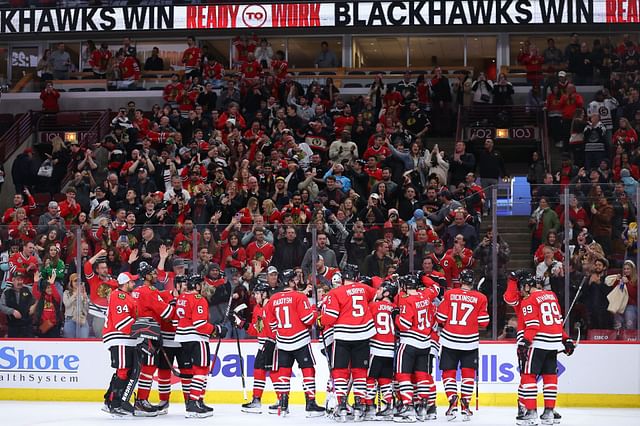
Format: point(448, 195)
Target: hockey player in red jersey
point(382, 347)
point(415, 321)
point(347, 310)
point(120, 316)
point(460, 314)
point(149, 305)
point(290, 316)
point(543, 338)
point(259, 327)
point(193, 332)
point(171, 348)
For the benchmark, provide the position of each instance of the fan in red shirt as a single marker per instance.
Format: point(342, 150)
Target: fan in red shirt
point(347, 310)
point(250, 70)
point(100, 283)
point(260, 250)
point(533, 63)
point(415, 322)
point(380, 150)
point(382, 348)
point(21, 228)
point(213, 72)
point(455, 260)
point(141, 123)
point(280, 66)
point(290, 316)
point(21, 200)
point(344, 121)
point(129, 68)
point(461, 313)
point(69, 208)
point(191, 57)
point(48, 314)
point(183, 242)
point(49, 97)
point(173, 91)
point(25, 262)
point(100, 60)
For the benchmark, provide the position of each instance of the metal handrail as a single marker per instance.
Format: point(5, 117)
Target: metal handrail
point(11, 140)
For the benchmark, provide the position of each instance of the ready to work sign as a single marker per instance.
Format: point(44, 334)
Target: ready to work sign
point(425, 13)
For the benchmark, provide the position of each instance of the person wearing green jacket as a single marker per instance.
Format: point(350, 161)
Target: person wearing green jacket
point(542, 220)
point(53, 262)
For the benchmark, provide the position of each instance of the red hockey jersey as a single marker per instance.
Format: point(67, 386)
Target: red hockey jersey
point(150, 304)
point(121, 314)
point(512, 298)
point(259, 326)
point(193, 318)
point(383, 342)
point(169, 325)
point(290, 315)
point(416, 320)
point(348, 312)
point(543, 320)
point(461, 313)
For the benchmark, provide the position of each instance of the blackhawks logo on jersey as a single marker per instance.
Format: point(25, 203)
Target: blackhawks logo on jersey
point(122, 296)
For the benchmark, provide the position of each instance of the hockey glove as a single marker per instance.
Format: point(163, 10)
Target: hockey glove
point(523, 352)
point(239, 322)
point(569, 346)
point(394, 313)
point(319, 324)
point(219, 331)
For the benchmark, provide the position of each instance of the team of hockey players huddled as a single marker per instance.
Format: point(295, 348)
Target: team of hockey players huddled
point(380, 338)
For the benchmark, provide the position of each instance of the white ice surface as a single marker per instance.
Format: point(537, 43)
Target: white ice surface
point(70, 414)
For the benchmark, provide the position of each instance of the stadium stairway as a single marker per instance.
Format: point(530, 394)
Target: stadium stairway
point(515, 231)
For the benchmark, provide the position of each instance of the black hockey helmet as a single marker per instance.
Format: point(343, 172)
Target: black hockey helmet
point(350, 272)
point(365, 279)
point(391, 288)
point(193, 281)
point(145, 269)
point(409, 282)
point(179, 280)
point(526, 279)
point(466, 277)
point(262, 287)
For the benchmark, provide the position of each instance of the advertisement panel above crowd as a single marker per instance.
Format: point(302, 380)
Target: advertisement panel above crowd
point(349, 14)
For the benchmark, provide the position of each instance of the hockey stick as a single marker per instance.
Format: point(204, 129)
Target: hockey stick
point(175, 371)
point(226, 315)
point(575, 298)
point(479, 287)
point(244, 385)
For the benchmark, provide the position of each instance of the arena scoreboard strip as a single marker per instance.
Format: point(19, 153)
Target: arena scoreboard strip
point(320, 14)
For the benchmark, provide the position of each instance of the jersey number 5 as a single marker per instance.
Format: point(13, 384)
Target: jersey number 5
point(357, 305)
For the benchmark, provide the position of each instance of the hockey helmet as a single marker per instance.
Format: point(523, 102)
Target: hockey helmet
point(391, 288)
point(466, 277)
point(350, 272)
point(526, 279)
point(336, 280)
point(261, 287)
point(365, 279)
point(145, 269)
point(179, 280)
point(409, 282)
point(193, 281)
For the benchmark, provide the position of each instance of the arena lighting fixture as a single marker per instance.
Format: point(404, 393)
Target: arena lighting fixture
point(502, 133)
point(70, 137)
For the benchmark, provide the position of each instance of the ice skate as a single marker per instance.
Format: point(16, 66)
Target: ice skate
point(205, 407)
point(330, 403)
point(123, 410)
point(548, 417)
point(255, 406)
point(421, 411)
point(163, 408)
point(385, 413)
point(406, 414)
point(452, 412)
point(465, 411)
point(530, 418)
point(143, 408)
point(273, 408)
point(556, 417)
point(521, 413)
point(432, 412)
point(370, 412)
point(313, 409)
point(341, 412)
point(283, 408)
point(194, 410)
point(359, 410)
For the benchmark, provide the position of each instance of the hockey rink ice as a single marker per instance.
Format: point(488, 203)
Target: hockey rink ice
point(85, 413)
